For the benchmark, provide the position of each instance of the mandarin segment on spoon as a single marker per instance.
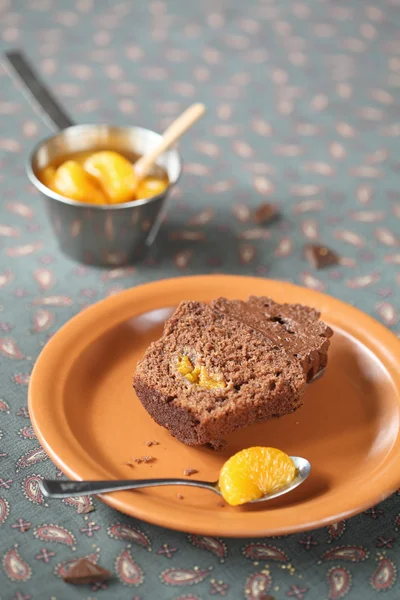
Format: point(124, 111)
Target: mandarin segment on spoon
point(253, 473)
point(115, 174)
point(72, 181)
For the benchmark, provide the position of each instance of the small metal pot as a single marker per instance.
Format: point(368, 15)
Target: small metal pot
point(108, 235)
point(103, 234)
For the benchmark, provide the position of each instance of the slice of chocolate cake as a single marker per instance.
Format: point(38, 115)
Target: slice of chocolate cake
point(229, 364)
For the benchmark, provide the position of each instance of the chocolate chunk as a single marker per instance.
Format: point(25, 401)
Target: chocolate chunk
point(265, 213)
point(189, 472)
point(320, 256)
point(84, 571)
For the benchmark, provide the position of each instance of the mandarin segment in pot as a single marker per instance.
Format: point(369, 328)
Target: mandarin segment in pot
point(102, 177)
point(114, 173)
point(72, 181)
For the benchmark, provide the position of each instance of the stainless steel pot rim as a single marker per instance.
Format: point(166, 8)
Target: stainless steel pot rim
point(106, 207)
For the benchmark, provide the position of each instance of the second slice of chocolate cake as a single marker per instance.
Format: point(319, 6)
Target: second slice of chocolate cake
point(229, 364)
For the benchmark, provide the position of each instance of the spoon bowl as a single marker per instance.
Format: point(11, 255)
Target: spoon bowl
point(53, 488)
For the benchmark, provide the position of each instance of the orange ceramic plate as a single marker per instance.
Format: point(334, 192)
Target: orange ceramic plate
point(88, 419)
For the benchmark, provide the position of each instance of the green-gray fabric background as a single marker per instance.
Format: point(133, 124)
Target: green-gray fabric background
point(303, 110)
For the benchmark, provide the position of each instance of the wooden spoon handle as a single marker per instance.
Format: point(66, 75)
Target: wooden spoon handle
point(171, 134)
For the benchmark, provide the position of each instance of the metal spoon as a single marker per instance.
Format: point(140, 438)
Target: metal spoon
point(52, 488)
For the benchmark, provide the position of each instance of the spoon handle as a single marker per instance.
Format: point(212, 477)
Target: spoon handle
point(52, 488)
point(170, 136)
point(36, 89)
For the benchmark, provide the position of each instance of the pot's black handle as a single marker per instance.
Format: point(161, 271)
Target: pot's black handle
point(35, 88)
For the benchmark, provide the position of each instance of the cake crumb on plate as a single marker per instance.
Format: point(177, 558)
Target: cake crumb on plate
point(148, 459)
point(143, 459)
point(189, 472)
point(217, 445)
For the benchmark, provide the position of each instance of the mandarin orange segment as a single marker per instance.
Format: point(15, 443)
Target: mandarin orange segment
point(184, 365)
point(211, 382)
point(149, 187)
point(115, 174)
point(253, 473)
point(80, 157)
point(46, 176)
point(72, 181)
point(198, 374)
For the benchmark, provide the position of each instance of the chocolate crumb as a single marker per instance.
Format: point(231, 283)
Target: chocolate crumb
point(148, 459)
point(189, 472)
point(84, 572)
point(265, 213)
point(217, 445)
point(320, 256)
point(143, 459)
point(152, 443)
point(85, 509)
point(180, 496)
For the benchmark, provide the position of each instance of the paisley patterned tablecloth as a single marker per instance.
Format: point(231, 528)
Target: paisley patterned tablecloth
point(303, 111)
